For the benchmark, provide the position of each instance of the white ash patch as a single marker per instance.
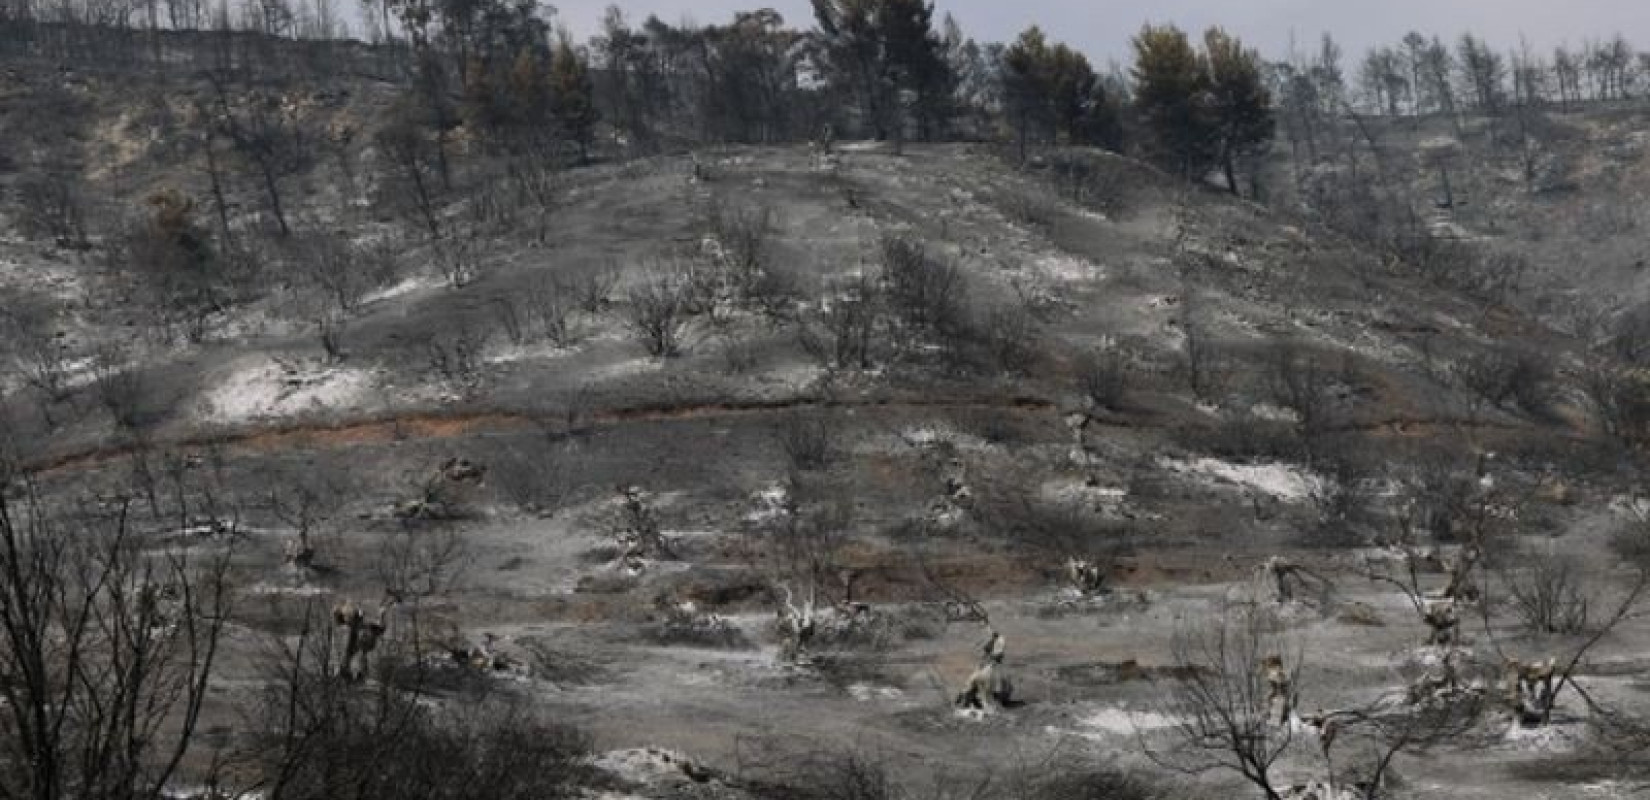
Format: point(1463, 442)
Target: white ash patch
point(946, 515)
point(637, 567)
point(79, 373)
point(796, 377)
point(1211, 409)
point(1377, 557)
point(1238, 321)
point(608, 794)
point(1633, 507)
point(931, 435)
point(1430, 656)
point(511, 353)
point(1113, 721)
point(58, 280)
point(1293, 612)
point(294, 591)
point(769, 504)
point(1274, 413)
point(624, 369)
point(1072, 490)
point(1281, 481)
point(206, 793)
point(402, 288)
point(1611, 788)
point(672, 534)
point(866, 693)
point(1064, 268)
point(647, 766)
point(1318, 790)
point(254, 322)
point(265, 389)
point(1550, 738)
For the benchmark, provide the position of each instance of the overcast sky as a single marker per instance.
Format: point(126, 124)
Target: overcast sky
point(1102, 27)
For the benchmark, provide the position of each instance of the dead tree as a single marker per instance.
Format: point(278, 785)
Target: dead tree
point(105, 652)
point(989, 685)
point(1372, 736)
point(361, 635)
point(1541, 683)
point(182, 278)
point(929, 293)
point(1444, 504)
point(635, 528)
point(318, 734)
point(339, 269)
point(52, 204)
point(1547, 593)
point(458, 357)
point(1438, 614)
point(1299, 382)
point(1285, 577)
point(39, 354)
point(795, 542)
point(1234, 681)
point(958, 605)
point(1065, 537)
point(305, 501)
point(808, 442)
point(415, 161)
point(456, 255)
point(846, 335)
point(1105, 376)
point(266, 132)
point(743, 238)
point(658, 313)
point(424, 557)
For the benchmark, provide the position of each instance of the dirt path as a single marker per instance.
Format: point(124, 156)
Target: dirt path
point(437, 425)
point(442, 425)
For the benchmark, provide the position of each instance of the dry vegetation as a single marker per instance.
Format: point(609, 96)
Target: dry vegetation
point(374, 425)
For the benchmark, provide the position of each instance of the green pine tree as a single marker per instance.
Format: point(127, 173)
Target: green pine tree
point(572, 95)
point(1172, 96)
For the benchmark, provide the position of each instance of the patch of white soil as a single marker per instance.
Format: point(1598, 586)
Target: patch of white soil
point(1074, 490)
point(1552, 738)
point(265, 389)
point(543, 351)
point(624, 369)
point(1112, 721)
point(294, 591)
point(648, 766)
point(935, 435)
point(1272, 413)
point(866, 693)
point(1062, 268)
point(1281, 481)
point(402, 288)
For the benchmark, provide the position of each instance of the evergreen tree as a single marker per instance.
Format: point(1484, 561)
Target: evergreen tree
point(572, 96)
point(1484, 71)
point(1075, 96)
point(855, 60)
point(1023, 86)
point(878, 50)
point(1239, 102)
point(1172, 96)
point(1203, 109)
point(1053, 92)
point(1383, 80)
point(750, 75)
